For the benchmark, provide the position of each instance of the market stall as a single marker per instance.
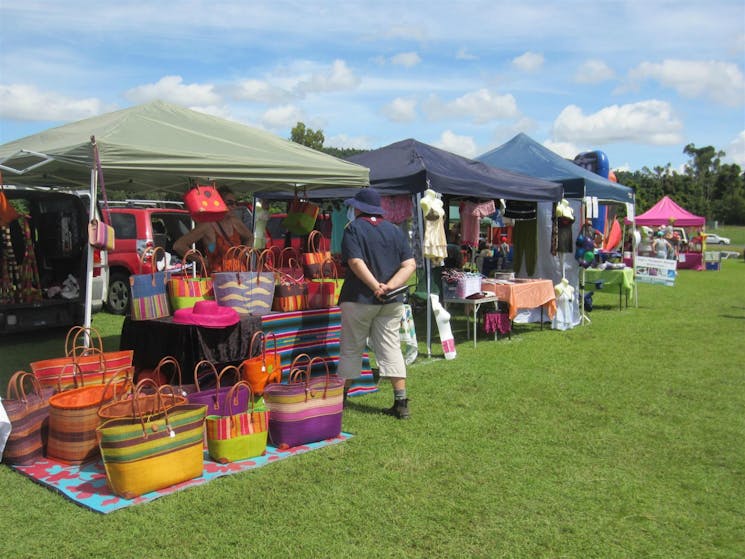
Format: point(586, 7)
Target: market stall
point(159, 147)
point(666, 213)
point(583, 192)
point(410, 169)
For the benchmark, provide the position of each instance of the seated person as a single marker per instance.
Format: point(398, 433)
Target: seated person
point(216, 237)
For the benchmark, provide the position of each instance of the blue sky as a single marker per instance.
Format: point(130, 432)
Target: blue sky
point(636, 79)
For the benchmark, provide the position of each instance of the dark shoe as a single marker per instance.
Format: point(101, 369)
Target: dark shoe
point(375, 375)
point(400, 409)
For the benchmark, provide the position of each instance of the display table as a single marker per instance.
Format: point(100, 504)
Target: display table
point(524, 294)
point(475, 304)
point(152, 340)
point(315, 332)
point(624, 279)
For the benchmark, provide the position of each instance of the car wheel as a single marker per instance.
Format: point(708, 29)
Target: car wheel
point(118, 300)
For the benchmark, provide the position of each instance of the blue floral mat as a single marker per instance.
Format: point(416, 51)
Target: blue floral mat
point(86, 484)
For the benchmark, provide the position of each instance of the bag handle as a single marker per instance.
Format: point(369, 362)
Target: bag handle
point(291, 252)
point(170, 360)
point(196, 373)
point(88, 351)
point(328, 374)
point(153, 252)
point(197, 257)
point(296, 371)
point(232, 399)
point(254, 337)
point(71, 340)
point(228, 368)
point(231, 260)
point(16, 387)
point(314, 243)
point(263, 346)
point(329, 262)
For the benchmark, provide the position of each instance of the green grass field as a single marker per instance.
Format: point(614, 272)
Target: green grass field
point(623, 438)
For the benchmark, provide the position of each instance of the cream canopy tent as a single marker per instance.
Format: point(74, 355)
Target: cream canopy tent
point(162, 147)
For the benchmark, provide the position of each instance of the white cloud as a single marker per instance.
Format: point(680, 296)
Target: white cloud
point(401, 110)
point(593, 71)
point(722, 82)
point(336, 78)
point(736, 151)
point(283, 117)
point(26, 102)
point(260, 91)
point(462, 145)
point(480, 106)
point(528, 62)
point(463, 54)
point(174, 90)
point(345, 141)
point(406, 59)
point(647, 122)
point(566, 149)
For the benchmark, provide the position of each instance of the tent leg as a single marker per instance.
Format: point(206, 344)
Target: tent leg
point(89, 260)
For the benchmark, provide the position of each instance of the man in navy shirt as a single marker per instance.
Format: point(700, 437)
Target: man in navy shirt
point(379, 260)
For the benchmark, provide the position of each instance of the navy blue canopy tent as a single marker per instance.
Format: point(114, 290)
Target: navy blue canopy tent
point(410, 167)
point(522, 154)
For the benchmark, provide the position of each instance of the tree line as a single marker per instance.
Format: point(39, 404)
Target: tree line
point(707, 187)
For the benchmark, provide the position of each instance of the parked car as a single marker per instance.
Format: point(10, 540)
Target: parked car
point(56, 241)
point(712, 239)
point(139, 224)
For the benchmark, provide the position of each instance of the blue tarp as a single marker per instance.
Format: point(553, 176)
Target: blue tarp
point(411, 167)
point(524, 155)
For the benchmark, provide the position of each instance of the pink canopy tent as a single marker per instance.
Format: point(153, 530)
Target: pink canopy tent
point(666, 212)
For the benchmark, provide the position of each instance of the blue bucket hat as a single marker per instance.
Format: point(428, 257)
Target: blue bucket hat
point(367, 201)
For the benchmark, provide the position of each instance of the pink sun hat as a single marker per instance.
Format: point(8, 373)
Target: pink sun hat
point(208, 314)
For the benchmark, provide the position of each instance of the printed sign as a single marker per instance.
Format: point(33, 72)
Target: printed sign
point(655, 270)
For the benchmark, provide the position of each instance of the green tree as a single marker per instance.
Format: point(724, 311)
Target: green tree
point(307, 136)
point(703, 167)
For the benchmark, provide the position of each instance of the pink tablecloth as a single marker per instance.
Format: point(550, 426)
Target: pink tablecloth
point(526, 294)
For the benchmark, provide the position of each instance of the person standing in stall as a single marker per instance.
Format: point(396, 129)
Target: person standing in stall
point(216, 237)
point(379, 260)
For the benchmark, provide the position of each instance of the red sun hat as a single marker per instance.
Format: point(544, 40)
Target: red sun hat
point(208, 314)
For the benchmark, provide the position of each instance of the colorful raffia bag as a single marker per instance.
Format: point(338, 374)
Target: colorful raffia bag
point(28, 412)
point(84, 357)
point(152, 452)
point(291, 291)
point(301, 216)
point(73, 420)
point(145, 397)
point(237, 435)
point(184, 290)
point(149, 297)
point(264, 368)
point(247, 281)
point(205, 203)
point(216, 398)
point(315, 255)
point(324, 292)
point(305, 410)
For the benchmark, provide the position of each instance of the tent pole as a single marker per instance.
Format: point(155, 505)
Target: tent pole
point(89, 259)
point(420, 228)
